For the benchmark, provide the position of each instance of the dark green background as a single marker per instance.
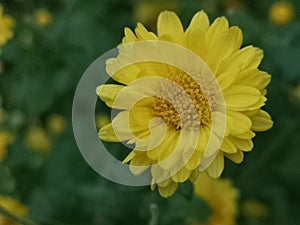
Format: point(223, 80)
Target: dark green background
point(42, 68)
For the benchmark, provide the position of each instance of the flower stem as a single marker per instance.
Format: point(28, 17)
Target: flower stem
point(15, 218)
point(154, 214)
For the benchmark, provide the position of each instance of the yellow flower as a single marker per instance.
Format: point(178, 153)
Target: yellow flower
point(6, 25)
point(102, 120)
point(179, 128)
point(38, 140)
point(42, 17)
point(6, 138)
point(296, 91)
point(232, 6)
point(56, 124)
point(221, 196)
point(254, 209)
point(146, 11)
point(281, 13)
point(13, 206)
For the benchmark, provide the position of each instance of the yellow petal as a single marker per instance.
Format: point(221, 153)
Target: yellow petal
point(194, 175)
point(143, 34)
point(125, 97)
point(182, 175)
point(229, 146)
point(137, 170)
point(251, 113)
point(221, 42)
point(168, 147)
point(121, 129)
point(156, 172)
point(218, 125)
point(253, 78)
point(129, 157)
point(238, 123)
point(158, 135)
point(134, 61)
point(168, 191)
point(225, 79)
point(191, 145)
point(140, 159)
point(159, 174)
point(165, 183)
point(261, 121)
point(186, 145)
point(245, 58)
point(139, 163)
point(213, 144)
point(195, 33)
point(265, 82)
point(107, 133)
point(120, 72)
point(216, 168)
point(129, 36)
point(241, 97)
point(236, 157)
point(199, 22)
point(169, 25)
point(242, 144)
point(153, 186)
point(141, 119)
point(247, 135)
point(194, 161)
point(108, 92)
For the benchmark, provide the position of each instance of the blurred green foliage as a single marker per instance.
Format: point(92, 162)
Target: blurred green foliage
point(42, 66)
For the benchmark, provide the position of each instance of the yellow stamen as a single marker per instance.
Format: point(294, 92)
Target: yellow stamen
point(179, 113)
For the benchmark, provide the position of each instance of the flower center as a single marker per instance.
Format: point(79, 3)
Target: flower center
point(174, 104)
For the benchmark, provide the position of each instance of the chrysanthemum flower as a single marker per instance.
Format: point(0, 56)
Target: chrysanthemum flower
point(6, 138)
point(190, 116)
point(56, 124)
point(6, 25)
point(254, 209)
point(221, 196)
point(281, 13)
point(12, 206)
point(42, 17)
point(38, 140)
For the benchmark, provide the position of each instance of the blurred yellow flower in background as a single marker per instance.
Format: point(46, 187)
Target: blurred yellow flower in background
point(232, 6)
point(146, 11)
point(38, 140)
point(296, 91)
point(14, 207)
point(294, 95)
point(42, 17)
point(253, 208)
point(6, 25)
point(242, 85)
point(56, 124)
point(281, 13)
point(6, 138)
point(221, 196)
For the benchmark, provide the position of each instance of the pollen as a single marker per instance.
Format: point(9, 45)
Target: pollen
point(183, 107)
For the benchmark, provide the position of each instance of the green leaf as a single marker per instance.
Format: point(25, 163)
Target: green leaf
point(187, 190)
point(178, 210)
